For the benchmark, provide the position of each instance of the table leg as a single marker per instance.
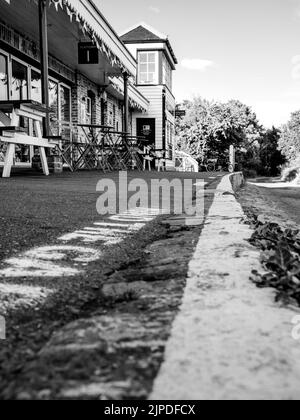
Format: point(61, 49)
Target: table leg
point(9, 157)
point(38, 133)
point(44, 161)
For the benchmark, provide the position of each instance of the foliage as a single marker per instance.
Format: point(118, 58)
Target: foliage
point(289, 142)
point(280, 258)
point(209, 128)
point(270, 157)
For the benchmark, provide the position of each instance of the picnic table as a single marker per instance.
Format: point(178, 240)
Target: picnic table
point(94, 146)
point(12, 134)
point(93, 152)
point(102, 147)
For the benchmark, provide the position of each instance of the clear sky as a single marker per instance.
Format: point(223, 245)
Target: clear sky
point(227, 49)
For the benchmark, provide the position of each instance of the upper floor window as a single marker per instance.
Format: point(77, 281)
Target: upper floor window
point(148, 68)
point(167, 73)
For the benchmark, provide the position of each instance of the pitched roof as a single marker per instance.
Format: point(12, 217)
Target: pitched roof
point(142, 32)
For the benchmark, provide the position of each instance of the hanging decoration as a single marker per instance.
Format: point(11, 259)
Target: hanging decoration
point(132, 103)
point(57, 4)
point(87, 30)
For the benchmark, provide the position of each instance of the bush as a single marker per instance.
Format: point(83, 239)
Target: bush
point(250, 173)
point(290, 174)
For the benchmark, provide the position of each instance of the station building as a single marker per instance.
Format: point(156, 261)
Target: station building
point(65, 54)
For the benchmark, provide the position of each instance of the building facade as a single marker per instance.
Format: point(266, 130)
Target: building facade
point(88, 69)
point(156, 62)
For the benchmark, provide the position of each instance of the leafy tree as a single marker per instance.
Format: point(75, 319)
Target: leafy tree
point(289, 142)
point(209, 128)
point(270, 156)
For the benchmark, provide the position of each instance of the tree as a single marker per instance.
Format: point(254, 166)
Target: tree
point(270, 156)
point(209, 128)
point(289, 142)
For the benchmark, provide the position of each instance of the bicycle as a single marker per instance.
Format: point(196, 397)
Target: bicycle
point(212, 166)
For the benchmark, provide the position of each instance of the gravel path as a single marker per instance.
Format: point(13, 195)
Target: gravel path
point(284, 197)
point(230, 341)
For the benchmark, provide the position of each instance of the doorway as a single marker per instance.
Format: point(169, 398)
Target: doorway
point(146, 127)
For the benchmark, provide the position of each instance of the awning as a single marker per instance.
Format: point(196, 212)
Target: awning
point(136, 100)
point(93, 24)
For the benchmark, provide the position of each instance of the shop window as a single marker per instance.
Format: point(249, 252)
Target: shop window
point(3, 78)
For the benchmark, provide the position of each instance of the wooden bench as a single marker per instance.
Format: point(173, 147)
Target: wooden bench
point(12, 134)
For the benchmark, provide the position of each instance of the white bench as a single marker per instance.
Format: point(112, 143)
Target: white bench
point(12, 135)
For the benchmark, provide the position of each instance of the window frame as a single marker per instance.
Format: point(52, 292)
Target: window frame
point(155, 72)
point(23, 63)
point(7, 71)
point(30, 68)
point(167, 76)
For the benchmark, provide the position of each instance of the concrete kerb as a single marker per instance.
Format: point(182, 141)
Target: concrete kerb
point(231, 183)
point(237, 180)
point(230, 340)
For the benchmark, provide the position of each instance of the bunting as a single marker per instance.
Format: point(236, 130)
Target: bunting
point(86, 29)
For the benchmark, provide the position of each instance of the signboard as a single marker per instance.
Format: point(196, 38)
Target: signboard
point(180, 113)
point(146, 130)
point(88, 53)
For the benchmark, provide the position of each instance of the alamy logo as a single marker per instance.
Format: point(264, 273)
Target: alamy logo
point(176, 196)
point(2, 328)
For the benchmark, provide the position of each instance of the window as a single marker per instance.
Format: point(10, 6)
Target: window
point(19, 88)
point(90, 102)
point(3, 78)
point(148, 68)
point(53, 102)
point(65, 103)
point(36, 86)
point(167, 73)
point(89, 106)
point(25, 83)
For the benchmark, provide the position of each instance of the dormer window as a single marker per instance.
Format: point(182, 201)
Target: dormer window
point(148, 68)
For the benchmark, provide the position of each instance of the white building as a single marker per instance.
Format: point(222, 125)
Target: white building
point(82, 70)
point(156, 62)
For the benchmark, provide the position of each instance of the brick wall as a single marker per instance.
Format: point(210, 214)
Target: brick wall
point(85, 88)
point(114, 113)
point(112, 108)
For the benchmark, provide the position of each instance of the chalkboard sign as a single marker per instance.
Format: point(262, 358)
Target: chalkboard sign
point(88, 53)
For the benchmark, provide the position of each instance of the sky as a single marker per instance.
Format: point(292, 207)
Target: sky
point(227, 49)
